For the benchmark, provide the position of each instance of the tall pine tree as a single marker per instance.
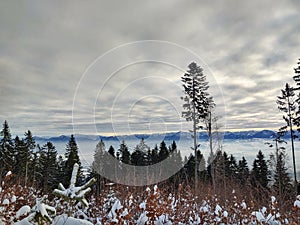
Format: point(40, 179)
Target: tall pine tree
point(196, 104)
point(287, 104)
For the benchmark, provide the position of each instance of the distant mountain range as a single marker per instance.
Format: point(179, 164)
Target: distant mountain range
point(168, 136)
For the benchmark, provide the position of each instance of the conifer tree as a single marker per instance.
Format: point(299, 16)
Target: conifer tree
point(60, 169)
point(23, 156)
point(233, 167)
point(124, 152)
point(259, 173)
point(243, 170)
point(7, 154)
point(30, 146)
point(138, 157)
point(72, 157)
point(47, 169)
point(163, 151)
point(282, 180)
point(102, 165)
point(154, 155)
point(297, 119)
point(197, 103)
point(287, 104)
point(111, 151)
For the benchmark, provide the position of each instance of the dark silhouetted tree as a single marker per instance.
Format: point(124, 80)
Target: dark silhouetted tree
point(243, 170)
point(7, 153)
point(47, 167)
point(72, 157)
point(124, 152)
point(259, 173)
point(111, 151)
point(30, 146)
point(287, 104)
point(282, 181)
point(196, 103)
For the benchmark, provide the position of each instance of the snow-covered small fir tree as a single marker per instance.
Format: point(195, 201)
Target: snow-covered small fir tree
point(74, 194)
point(38, 213)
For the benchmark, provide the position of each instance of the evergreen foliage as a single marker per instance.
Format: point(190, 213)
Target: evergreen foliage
point(197, 103)
point(288, 105)
point(7, 151)
point(260, 171)
point(72, 157)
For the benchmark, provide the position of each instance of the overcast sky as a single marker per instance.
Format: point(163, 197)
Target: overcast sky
point(89, 57)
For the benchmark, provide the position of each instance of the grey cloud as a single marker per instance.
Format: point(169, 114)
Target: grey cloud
point(250, 48)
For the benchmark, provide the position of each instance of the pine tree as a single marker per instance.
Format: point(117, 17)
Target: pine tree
point(233, 167)
point(243, 170)
point(124, 152)
point(154, 155)
point(48, 165)
point(197, 103)
point(138, 157)
point(102, 165)
point(23, 156)
point(163, 151)
point(282, 182)
point(259, 173)
point(287, 104)
point(7, 154)
point(297, 119)
point(30, 146)
point(111, 151)
point(226, 164)
point(60, 169)
point(72, 157)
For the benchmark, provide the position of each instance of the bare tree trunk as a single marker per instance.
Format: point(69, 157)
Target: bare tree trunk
point(195, 146)
point(26, 173)
point(292, 141)
point(211, 151)
point(279, 175)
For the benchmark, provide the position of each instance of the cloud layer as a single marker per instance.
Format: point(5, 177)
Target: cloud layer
point(248, 48)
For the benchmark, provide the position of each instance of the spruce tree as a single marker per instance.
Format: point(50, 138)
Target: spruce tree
point(7, 153)
point(226, 164)
point(98, 165)
point(138, 157)
point(30, 146)
point(60, 169)
point(23, 156)
point(48, 166)
point(282, 180)
point(196, 103)
point(111, 151)
point(124, 152)
point(163, 151)
point(154, 155)
point(233, 167)
point(72, 157)
point(259, 173)
point(287, 104)
point(297, 119)
point(243, 170)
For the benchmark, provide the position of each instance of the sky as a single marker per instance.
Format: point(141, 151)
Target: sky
point(112, 67)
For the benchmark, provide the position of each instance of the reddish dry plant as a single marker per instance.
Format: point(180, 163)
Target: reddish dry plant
point(180, 206)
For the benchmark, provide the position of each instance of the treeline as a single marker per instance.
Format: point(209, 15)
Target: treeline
point(41, 166)
point(35, 165)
